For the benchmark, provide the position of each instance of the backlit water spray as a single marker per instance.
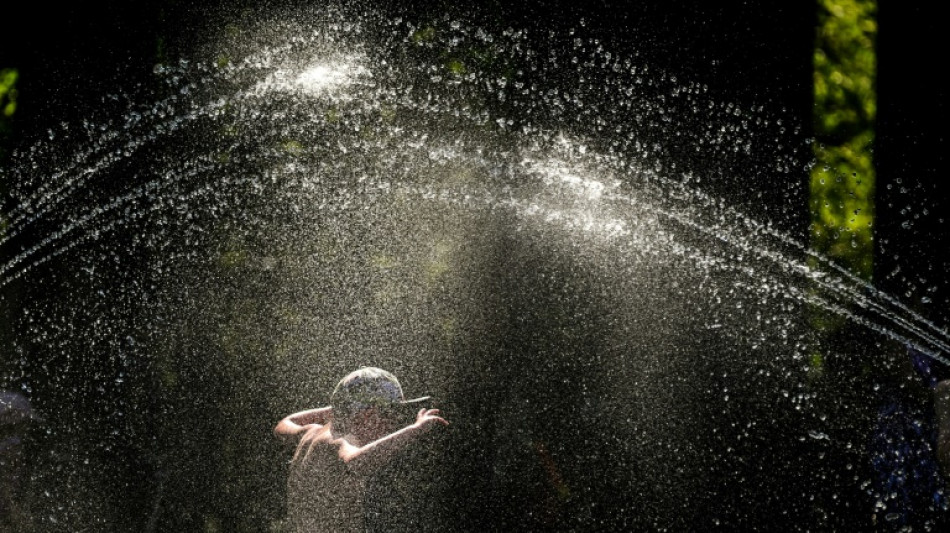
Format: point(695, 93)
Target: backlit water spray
point(497, 226)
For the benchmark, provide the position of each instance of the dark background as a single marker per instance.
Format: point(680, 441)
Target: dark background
point(71, 58)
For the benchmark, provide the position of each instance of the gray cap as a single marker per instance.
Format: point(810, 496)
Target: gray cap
point(370, 387)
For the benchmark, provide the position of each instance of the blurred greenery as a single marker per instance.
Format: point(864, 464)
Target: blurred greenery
point(842, 180)
point(8, 99)
point(8, 77)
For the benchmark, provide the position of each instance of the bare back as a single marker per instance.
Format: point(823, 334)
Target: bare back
point(323, 493)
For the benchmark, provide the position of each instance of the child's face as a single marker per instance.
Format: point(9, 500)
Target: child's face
point(371, 424)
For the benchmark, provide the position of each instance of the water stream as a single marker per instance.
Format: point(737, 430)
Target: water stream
point(500, 226)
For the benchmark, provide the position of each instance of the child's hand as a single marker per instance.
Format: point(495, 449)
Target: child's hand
point(427, 417)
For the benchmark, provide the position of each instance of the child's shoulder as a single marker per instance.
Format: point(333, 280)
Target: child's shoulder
point(317, 447)
point(318, 435)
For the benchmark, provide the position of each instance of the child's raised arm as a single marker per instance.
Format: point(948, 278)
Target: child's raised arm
point(295, 425)
point(367, 458)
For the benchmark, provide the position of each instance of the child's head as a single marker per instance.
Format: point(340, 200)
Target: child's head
point(367, 397)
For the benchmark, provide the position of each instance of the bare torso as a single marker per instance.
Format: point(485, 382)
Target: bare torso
point(323, 493)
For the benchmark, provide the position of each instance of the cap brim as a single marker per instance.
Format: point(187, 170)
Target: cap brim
point(415, 400)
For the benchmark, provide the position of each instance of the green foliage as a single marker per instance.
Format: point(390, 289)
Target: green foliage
point(842, 203)
point(8, 93)
point(845, 64)
point(842, 181)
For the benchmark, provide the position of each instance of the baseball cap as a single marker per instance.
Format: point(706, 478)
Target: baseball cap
point(370, 387)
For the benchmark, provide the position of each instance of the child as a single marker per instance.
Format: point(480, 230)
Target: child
point(341, 445)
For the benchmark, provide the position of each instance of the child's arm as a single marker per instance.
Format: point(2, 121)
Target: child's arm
point(367, 458)
point(295, 425)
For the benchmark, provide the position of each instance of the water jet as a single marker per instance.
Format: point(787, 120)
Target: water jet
point(504, 225)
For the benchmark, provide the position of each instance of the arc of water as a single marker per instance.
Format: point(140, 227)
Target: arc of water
point(865, 285)
point(82, 222)
point(856, 282)
point(851, 291)
point(837, 287)
point(138, 192)
point(468, 198)
point(46, 197)
point(796, 268)
point(23, 217)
